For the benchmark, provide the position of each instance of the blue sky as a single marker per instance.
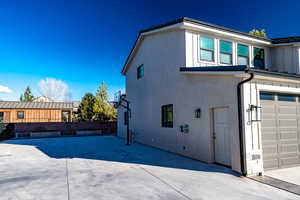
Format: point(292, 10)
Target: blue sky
point(84, 42)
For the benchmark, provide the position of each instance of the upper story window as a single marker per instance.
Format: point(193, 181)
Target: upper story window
point(140, 71)
point(207, 47)
point(167, 116)
point(20, 115)
point(225, 52)
point(242, 54)
point(259, 58)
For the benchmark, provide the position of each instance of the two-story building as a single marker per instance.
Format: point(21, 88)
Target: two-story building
point(216, 95)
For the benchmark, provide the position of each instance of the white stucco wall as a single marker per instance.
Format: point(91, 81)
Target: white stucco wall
point(162, 55)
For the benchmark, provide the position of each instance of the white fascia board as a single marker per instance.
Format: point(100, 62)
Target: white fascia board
point(273, 88)
point(167, 28)
point(286, 80)
point(191, 26)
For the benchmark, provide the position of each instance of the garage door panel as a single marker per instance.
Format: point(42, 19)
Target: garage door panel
point(280, 133)
point(270, 150)
point(291, 123)
point(269, 123)
point(287, 109)
point(289, 148)
point(288, 135)
point(268, 109)
point(269, 136)
point(290, 161)
point(271, 163)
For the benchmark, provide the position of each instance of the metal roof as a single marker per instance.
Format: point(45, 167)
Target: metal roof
point(239, 68)
point(36, 105)
point(214, 68)
point(286, 40)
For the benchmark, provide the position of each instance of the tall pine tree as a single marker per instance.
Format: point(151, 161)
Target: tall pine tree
point(103, 111)
point(27, 96)
point(85, 110)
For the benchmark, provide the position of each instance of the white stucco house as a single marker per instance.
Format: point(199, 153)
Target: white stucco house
point(216, 95)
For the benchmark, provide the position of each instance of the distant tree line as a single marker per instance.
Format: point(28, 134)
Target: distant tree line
point(91, 108)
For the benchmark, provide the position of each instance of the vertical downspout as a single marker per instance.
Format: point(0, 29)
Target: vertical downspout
point(240, 119)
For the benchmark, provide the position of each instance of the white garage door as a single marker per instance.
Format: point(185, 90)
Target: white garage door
point(280, 130)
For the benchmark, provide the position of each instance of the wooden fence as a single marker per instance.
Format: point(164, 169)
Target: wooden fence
point(65, 128)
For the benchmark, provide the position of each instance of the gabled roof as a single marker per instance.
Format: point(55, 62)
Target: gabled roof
point(182, 20)
point(207, 25)
point(36, 105)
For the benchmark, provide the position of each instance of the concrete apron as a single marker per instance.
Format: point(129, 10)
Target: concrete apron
point(286, 179)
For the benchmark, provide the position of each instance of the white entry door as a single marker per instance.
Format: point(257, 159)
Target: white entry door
point(221, 137)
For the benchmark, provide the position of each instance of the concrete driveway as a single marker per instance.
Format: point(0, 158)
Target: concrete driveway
point(290, 175)
point(90, 168)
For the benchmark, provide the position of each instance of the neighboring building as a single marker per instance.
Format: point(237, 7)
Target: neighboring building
point(20, 112)
point(43, 99)
point(184, 85)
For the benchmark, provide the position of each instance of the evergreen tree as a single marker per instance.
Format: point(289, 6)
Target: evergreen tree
point(27, 96)
point(102, 109)
point(85, 110)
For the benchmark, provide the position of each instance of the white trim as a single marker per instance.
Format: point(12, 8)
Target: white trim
point(192, 26)
point(283, 89)
point(283, 79)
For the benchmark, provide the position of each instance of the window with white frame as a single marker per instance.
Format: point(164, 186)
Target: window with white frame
point(207, 48)
point(242, 54)
point(225, 52)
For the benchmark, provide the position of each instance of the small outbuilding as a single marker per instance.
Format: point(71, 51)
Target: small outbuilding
point(23, 112)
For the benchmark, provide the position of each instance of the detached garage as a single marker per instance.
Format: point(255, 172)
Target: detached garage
point(280, 130)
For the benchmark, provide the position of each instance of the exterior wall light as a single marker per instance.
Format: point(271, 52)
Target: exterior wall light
point(198, 113)
point(254, 113)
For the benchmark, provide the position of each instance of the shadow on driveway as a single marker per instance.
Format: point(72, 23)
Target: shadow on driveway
point(111, 148)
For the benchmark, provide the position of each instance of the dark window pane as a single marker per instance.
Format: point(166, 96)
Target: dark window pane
point(20, 115)
point(266, 96)
point(207, 43)
point(259, 58)
point(242, 50)
point(225, 47)
point(286, 97)
point(140, 71)
point(167, 116)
